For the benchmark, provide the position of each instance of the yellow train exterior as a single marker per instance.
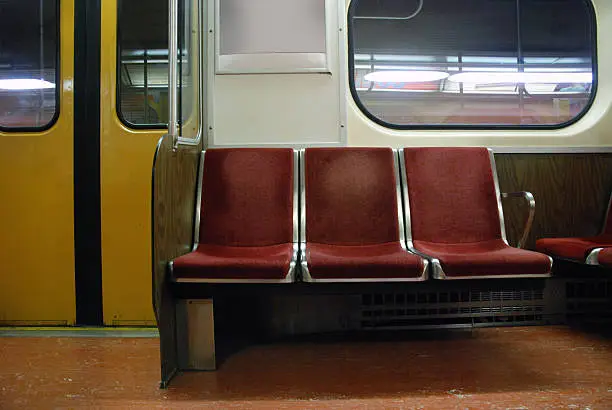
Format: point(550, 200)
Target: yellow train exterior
point(37, 177)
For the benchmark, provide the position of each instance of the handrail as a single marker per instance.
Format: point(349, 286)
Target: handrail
point(172, 71)
point(418, 10)
point(531, 201)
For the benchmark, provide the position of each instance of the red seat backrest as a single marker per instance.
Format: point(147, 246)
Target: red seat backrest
point(351, 196)
point(452, 195)
point(608, 222)
point(247, 197)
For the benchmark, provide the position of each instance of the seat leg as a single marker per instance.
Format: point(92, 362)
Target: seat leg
point(196, 334)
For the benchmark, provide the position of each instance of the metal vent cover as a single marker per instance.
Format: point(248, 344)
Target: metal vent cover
point(453, 308)
point(589, 300)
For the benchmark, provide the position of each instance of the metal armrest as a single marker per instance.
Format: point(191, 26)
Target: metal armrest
point(531, 201)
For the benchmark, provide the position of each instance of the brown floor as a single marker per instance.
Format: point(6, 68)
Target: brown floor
point(504, 368)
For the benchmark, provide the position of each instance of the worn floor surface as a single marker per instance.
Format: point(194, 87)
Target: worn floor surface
point(503, 368)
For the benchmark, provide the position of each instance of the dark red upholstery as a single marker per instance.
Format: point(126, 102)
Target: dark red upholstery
point(246, 218)
point(455, 218)
point(573, 248)
point(605, 257)
point(235, 262)
point(577, 248)
point(247, 197)
point(386, 260)
point(351, 196)
point(452, 195)
point(352, 228)
point(485, 258)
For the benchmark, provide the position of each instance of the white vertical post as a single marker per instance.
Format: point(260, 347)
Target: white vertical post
point(172, 70)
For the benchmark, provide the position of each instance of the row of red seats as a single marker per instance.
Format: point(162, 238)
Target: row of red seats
point(351, 215)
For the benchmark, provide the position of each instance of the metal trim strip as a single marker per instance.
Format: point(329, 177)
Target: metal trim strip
point(198, 208)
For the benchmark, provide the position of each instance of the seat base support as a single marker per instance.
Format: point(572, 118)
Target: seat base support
point(195, 334)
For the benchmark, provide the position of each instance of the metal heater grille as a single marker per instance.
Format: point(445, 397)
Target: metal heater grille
point(589, 300)
point(452, 308)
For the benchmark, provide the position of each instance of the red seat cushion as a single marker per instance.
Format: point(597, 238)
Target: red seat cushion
point(486, 258)
point(379, 261)
point(235, 262)
point(573, 248)
point(605, 257)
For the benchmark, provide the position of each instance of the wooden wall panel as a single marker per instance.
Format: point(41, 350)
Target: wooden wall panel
point(174, 193)
point(571, 193)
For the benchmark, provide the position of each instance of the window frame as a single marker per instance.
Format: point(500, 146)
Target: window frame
point(118, 100)
point(364, 110)
point(58, 85)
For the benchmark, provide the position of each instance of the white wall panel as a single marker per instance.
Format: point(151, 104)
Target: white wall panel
point(276, 73)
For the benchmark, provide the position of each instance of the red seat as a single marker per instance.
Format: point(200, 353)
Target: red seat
point(454, 214)
point(577, 248)
point(352, 227)
point(604, 257)
point(246, 231)
point(573, 248)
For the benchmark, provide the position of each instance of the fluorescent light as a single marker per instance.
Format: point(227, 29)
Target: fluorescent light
point(555, 70)
point(489, 60)
point(491, 69)
point(16, 84)
point(556, 60)
point(401, 67)
point(409, 58)
point(148, 61)
point(526, 78)
point(150, 52)
point(405, 76)
point(362, 57)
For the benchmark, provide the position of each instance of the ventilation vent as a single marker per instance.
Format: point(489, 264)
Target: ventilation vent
point(455, 308)
point(589, 300)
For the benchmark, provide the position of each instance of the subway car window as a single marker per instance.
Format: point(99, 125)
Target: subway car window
point(142, 89)
point(485, 63)
point(29, 64)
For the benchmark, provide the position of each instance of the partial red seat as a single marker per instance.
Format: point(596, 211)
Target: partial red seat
point(453, 216)
point(604, 257)
point(246, 228)
point(579, 249)
point(352, 229)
